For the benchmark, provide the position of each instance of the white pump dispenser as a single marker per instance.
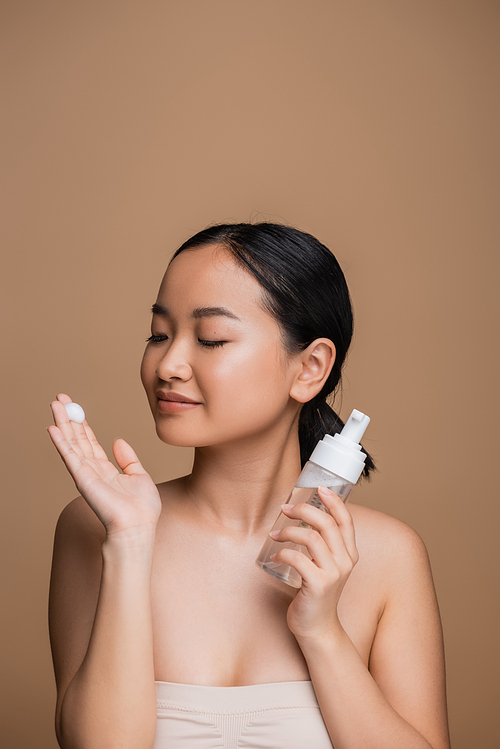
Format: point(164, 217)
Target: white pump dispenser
point(336, 462)
point(341, 454)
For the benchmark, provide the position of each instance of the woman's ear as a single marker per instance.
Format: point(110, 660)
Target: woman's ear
point(314, 365)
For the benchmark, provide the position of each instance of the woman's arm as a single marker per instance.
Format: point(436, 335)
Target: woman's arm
point(100, 605)
point(101, 636)
point(399, 701)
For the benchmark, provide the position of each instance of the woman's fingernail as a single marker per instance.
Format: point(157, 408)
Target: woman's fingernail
point(286, 507)
point(273, 534)
point(273, 556)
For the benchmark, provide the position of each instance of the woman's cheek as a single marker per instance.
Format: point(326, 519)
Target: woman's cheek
point(253, 377)
point(239, 370)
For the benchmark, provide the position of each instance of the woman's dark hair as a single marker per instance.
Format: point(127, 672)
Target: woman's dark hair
point(306, 292)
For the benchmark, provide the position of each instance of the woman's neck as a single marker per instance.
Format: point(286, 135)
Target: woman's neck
point(240, 487)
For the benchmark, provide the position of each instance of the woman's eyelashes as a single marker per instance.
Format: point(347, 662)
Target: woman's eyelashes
point(156, 338)
point(211, 344)
point(206, 344)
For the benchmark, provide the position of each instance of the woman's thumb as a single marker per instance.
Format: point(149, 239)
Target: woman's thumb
point(126, 458)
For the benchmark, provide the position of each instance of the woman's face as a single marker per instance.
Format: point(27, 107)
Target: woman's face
point(216, 352)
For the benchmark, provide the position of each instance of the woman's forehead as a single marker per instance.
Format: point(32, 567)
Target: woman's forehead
point(209, 276)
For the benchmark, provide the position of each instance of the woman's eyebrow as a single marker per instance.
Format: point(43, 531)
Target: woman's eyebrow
point(159, 309)
point(213, 312)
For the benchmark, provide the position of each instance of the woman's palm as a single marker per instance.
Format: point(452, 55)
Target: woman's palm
point(122, 501)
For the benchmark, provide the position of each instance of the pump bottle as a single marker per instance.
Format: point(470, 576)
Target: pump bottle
point(336, 462)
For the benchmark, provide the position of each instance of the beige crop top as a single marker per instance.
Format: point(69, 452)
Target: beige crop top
point(281, 715)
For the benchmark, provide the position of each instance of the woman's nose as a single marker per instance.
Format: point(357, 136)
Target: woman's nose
point(173, 365)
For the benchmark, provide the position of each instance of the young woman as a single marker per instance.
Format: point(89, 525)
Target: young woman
point(164, 631)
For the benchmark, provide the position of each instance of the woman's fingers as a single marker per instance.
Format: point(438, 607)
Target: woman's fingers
point(342, 517)
point(71, 458)
point(63, 398)
point(98, 451)
point(63, 423)
point(122, 501)
point(127, 458)
point(338, 537)
point(306, 568)
point(330, 555)
point(73, 432)
point(315, 544)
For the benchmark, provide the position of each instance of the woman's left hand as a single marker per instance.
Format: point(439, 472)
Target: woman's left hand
point(332, 546)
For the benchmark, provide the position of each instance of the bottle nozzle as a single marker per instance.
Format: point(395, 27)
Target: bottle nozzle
point(355, 426)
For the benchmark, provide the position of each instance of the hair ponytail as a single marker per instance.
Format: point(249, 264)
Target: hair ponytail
point(318, 418)
point(305, 291)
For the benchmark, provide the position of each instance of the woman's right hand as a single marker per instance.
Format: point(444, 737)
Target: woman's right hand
point(126, 503)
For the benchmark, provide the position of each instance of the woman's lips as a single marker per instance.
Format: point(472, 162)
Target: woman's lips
point(170, 402)
point(170, 407)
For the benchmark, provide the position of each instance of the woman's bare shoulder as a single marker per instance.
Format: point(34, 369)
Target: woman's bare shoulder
point(387, 542)
point(370, 523)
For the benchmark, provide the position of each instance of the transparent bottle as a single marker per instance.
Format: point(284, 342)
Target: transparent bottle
point(336, 462)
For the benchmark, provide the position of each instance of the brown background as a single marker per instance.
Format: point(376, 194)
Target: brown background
point(373, 125)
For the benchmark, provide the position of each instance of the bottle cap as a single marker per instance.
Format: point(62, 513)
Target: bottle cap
point(341, 453)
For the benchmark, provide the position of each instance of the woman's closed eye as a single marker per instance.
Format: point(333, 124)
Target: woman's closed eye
point(206, 344)
point(156, 338)
point(211, 344)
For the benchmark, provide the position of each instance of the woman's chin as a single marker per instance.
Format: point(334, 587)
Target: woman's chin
point(175, 441)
